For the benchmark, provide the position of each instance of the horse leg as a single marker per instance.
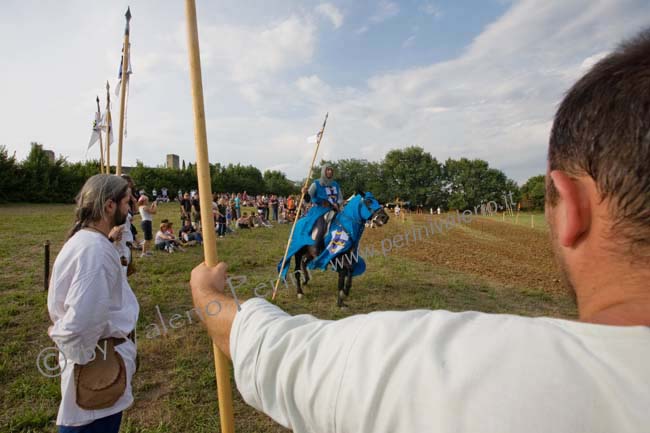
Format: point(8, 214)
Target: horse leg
point(304, 270)
point(296, 274)
point(348, 281)
point(341, 293)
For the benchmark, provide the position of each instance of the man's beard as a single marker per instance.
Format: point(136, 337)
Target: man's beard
point(119, 218)
point(561, 263)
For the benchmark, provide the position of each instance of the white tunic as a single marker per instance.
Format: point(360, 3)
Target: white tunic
point(436, 371)
point(89, 299)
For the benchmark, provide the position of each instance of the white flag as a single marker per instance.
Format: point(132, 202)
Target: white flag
point(94, 136)
point(104, 127)
point(313, 139)
point(119, 75)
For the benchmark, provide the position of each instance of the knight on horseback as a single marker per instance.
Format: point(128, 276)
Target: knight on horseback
point(324, 192)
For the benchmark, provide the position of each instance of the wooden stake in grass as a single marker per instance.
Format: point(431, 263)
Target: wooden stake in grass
point(503, 216)
point(319, 137)
point(532, 222)
point(125, 70)
point(224, 390)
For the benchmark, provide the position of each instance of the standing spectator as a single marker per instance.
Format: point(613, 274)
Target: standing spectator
point(196, 204)
point(186, 208)
point(128, 231)
point(265, 205)
point(274, 206)
point(291, 209)
point(229, 213)
point(146, 212)
point(260, 205)
point(93, 309)
point(238, 205)
point(221, 217)
point(245, 198)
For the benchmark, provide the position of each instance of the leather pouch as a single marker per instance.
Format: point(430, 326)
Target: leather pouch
point(102, 381)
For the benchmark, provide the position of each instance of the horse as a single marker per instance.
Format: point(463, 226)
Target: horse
point(318, 243)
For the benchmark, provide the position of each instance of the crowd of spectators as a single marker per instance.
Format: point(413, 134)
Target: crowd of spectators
point(228, 213)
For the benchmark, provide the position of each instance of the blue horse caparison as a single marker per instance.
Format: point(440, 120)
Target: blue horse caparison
point(340, 242)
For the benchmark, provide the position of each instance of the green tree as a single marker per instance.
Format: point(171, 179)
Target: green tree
point(413, 175)
point(533, 192)
point(277, 183)
point(10, 177)
point(471, 183)
point(354, 175)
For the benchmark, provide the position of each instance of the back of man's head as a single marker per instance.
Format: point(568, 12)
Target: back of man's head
point(93, 197)
point(602, 130)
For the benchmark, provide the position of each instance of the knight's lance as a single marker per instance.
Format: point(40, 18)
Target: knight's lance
point(302, 197)
point(101, 146)
point(125, 68)
point(109, 127)
point(224, 390)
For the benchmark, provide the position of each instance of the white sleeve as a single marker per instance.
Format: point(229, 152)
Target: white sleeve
point(290, 367)
point(312, 190)
point(86, 307)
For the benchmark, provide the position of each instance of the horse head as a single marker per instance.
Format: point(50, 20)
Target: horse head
point(367, 208)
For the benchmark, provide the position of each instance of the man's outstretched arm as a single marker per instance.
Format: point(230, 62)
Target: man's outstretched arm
point(289, 367)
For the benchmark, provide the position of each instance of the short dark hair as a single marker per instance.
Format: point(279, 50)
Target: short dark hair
point(602, 129)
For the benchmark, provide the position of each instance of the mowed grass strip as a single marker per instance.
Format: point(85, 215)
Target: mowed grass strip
point(174, 388)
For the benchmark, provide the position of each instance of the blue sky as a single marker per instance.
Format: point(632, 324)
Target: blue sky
point(479, 79)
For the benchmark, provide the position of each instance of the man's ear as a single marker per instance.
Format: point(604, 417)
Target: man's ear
point(573, 215)
point(110, 205)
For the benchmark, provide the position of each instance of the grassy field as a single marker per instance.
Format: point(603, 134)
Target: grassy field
point(487, 265)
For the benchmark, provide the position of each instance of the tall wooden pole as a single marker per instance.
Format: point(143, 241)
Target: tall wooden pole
point(109, 127)
point(101, 146)
point(302, 197)
point(224, 389)
point(125, 69)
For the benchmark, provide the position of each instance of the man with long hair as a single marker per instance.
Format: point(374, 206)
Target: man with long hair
point(90, 300)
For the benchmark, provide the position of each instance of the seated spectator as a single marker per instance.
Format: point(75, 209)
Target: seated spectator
point(244, 222)
point(164, 239)
point(188, 234)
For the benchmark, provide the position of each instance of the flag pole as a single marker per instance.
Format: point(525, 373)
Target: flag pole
point(302, 197)
point(125, 68)
point(101, 146)
point(109, 126)
point(224, 389)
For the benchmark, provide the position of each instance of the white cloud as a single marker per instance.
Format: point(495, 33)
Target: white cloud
point(592, 60)
point(431, 9)
point(251, 53)
point(361, 30)
point(497, 99)
point(408, 42)
point(385, 10)
point(331, 12)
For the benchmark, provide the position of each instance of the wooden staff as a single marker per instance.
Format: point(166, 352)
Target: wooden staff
point(101, 146)
point(125, 69)
point(109, 127)
point(302, 197)
point(224, 390)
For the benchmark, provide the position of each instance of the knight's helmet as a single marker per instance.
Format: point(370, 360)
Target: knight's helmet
point(331, 189)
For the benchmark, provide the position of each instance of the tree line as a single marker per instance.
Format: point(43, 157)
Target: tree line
point(409, 175)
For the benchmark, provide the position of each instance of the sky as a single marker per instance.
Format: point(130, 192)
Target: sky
point(476, 79)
